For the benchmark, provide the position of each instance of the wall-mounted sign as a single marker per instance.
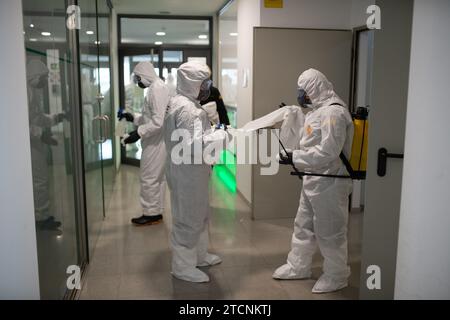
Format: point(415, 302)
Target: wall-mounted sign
point(273, 4)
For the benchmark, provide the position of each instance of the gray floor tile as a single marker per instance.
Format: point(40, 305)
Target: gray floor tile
point(100, 288)
point(134, 262)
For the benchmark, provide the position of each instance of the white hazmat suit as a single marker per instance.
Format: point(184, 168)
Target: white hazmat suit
point(39, 121)
point(188, 183)
point(150, 128)
point(323, 211)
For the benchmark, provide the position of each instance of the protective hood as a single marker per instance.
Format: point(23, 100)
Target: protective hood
point(36, 69)
point(146, 71)
point(318, 88)
point(190, 77)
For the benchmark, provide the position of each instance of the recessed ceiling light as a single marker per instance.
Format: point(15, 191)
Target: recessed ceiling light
point(158, 43)
point(161, 33)
point(31, 25)
point(33, 39)
point(89, 32)
point(46, 34)
point(234, 34)
point(203, 36)
point(97, 42)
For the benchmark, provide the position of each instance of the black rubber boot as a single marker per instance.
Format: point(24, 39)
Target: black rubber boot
point(48, 224)
point(147, 220)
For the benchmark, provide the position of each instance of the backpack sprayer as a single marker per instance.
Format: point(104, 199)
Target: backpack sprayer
point(357, 165)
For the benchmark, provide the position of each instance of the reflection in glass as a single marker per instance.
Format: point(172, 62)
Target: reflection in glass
point(49, 105)
point(228, 83)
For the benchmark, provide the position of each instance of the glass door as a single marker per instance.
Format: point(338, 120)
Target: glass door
point(96, 112)
point(107, 106)
point(53, 119)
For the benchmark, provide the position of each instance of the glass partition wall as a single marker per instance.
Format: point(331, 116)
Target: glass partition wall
point(228, 69)
point(167, 42)
point(67, 74)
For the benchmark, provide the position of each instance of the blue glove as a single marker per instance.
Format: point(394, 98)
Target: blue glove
point(221, 126)
point(128, 116)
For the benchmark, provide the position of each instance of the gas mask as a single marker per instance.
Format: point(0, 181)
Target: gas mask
point(205, 90)
point(303, 99)
point(137, 80)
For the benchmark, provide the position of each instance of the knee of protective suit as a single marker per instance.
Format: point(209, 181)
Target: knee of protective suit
point(330, 233)
point(184, 237)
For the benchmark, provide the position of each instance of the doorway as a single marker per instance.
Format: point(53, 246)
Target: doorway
point(157, 39)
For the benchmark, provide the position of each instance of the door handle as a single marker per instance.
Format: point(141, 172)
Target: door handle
point(105, 128)
point(97, 130)
point(100, 98)
point(383, 155)
point(100, 128)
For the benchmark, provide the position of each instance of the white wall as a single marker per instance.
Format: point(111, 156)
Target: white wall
point(18, 252)
point(320, 14)
point(423, 258)
point(359, 16)
point(248, 17)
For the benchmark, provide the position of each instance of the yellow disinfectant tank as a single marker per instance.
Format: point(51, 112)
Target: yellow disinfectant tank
point(358, 158)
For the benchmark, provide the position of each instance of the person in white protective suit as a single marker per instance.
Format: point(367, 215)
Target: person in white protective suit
point(188, 180)
point(41, 139)
point(170, 82)
point(150, 130)
point(323, 211)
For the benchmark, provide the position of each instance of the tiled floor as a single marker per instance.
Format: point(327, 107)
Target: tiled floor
point(134, 263)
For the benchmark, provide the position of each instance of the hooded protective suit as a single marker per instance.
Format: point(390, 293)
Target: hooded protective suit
point(188, 183)
point(323, 211)
point(150, 129)
point(170, 83)
point(37, 71)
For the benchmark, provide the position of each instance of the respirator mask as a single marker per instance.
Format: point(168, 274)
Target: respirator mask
point(303, 99)
point(205, 90)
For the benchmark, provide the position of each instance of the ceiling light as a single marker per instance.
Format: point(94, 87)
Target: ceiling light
point(89, 32)
point(31, 25)
point(97, 42)
point(234, 34)
point(203, 36)
point(158, 43)
point(161, 33)
point(33, 39)
point(46, 34)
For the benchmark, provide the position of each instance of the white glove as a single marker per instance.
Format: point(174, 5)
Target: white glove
point(211, 111)
point(126, 135)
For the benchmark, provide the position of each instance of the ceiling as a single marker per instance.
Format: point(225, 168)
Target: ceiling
point(180, 32)
point(175, 7)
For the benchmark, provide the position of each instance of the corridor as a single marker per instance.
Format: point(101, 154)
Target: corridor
point(134, 262)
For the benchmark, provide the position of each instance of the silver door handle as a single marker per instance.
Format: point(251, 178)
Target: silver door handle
point(105, 127)
point(100, 97)
point(97, 129)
